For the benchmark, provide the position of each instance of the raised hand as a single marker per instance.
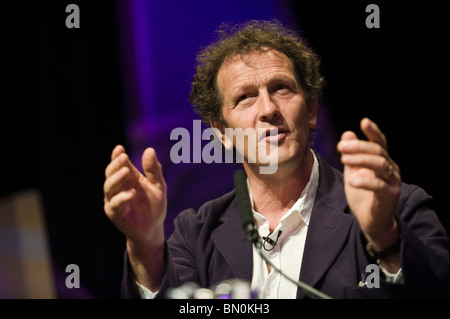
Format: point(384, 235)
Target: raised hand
point(135, 203)
point(372, 183)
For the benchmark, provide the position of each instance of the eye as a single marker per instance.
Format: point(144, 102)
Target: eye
point(280, 87)
point(244, 99)
point(241, 98)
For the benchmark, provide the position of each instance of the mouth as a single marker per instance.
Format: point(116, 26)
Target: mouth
point(272, 135)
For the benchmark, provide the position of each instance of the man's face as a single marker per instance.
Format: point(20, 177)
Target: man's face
point(260, 92)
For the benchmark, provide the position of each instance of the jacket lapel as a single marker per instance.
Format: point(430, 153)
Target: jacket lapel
point(229, 240)
point(329, 226)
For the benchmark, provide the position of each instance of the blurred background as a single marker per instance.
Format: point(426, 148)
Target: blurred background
point(123, 77)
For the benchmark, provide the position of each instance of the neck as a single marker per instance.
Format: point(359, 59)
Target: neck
point(274, 194)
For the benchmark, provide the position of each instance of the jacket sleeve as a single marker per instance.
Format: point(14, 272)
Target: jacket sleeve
point(425, 246)
point(180, 262)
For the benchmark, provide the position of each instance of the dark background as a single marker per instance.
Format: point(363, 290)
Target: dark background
point(64, 110)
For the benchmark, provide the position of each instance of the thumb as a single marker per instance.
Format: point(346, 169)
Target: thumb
point(152, 167)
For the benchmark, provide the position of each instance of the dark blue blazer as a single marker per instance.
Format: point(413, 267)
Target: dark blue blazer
point(207, 246)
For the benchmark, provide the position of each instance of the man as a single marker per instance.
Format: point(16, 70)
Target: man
point(330, 226)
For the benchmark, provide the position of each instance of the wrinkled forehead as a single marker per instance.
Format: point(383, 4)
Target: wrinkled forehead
point(257, 63)
point(258, 59)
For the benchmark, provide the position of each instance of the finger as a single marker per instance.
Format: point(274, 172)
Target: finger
point(373, 132)
point(117, 163)
point(348, 135)
point(120, 161)
point(119, 149)
point(115, 182)
point(374, 184)
point(359, 146)
point(368, 183)
point(345, 138)
point(378, 164)
point(116, 204)
point(152, 167)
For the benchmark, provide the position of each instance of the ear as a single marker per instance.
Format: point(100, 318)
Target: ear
point(313, 109)
point(219, 129)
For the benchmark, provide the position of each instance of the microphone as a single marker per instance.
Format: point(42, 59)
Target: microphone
point(267, 239)
point(251, 233)
point(244, 207)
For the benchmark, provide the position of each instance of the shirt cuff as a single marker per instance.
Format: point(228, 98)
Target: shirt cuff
point(144, 292)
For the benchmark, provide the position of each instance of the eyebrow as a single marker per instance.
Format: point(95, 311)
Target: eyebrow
point(279, 78)
point(284, 78)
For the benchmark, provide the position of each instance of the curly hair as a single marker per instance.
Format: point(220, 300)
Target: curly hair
point(254, 35)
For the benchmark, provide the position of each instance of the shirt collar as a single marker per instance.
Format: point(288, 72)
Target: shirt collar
point(302, 207)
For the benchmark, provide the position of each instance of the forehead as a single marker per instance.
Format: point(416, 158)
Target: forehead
point(253, 68)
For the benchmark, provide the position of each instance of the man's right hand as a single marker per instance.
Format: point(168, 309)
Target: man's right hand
point(137, 206)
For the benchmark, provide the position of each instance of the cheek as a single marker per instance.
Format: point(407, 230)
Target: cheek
point(243, 118)
point(299, 124)
point(297, 115)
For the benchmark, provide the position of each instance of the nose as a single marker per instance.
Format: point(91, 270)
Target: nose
point(268, 110)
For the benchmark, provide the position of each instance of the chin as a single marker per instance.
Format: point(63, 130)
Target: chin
point(290, 157)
